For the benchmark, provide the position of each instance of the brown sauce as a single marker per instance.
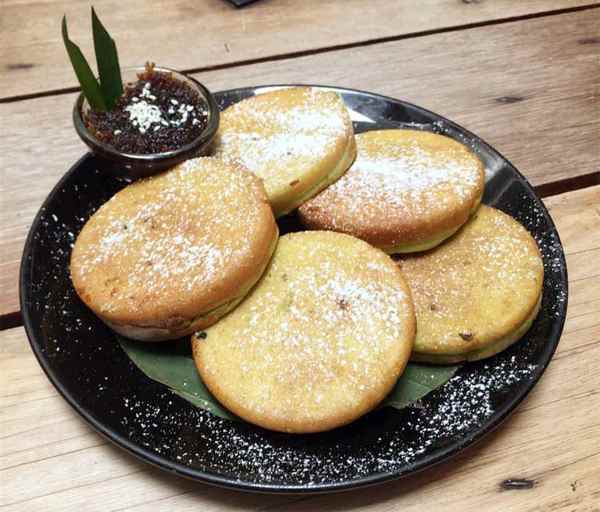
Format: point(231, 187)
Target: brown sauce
point(157, 113)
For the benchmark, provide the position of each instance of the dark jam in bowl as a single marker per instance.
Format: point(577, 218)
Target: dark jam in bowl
point(155, 114)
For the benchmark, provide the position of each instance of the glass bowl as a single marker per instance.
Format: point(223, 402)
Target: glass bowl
point(134, 166)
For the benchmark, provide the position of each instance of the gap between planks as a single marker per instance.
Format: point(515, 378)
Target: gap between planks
point(333, 48)
point(15, 319)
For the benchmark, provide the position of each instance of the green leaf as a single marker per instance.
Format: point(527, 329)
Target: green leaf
point(417, 381)
point(172, 365)
point(107, 59)
point(89, 86)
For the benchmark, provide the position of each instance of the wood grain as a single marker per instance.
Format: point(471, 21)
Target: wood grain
point(553, 439)
point(550, 134)
point(199, 34)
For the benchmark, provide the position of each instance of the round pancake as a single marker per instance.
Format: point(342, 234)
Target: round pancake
point(298, 140)
point(478, 293)
point(407, 191)
point(319, 341)
point(171, 254)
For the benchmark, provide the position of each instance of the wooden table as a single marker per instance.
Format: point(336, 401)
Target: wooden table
point(525, 75)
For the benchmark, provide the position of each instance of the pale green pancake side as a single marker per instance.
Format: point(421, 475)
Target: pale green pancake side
point(491, 350)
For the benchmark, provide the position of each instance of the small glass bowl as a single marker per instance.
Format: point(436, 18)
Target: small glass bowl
point(134, 166)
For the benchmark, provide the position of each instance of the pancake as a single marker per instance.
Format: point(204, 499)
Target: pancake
point(320, 340)
point(298, 140)
point(407, 191)
point(171, 254)
point(476, 294)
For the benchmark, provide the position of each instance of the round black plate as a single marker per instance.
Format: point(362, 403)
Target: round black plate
point(86, 364)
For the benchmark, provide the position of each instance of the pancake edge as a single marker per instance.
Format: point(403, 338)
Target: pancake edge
point(153, 333)
point(434, 241)
point(491, 350)
point(344, 163)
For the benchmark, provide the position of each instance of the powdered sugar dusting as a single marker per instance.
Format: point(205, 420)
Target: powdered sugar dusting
point(404, 175)
point(175, 233)
point(458, 409)
point(320, 322)
point(257, 153)
point(468, 398)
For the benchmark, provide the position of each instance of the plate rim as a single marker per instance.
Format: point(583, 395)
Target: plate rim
point(427, 462)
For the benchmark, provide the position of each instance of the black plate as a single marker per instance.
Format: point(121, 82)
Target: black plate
point(84, 361)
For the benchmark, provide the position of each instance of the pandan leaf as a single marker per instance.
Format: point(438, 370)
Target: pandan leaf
point(89, 86)
point(107, 59)
point(171, 364)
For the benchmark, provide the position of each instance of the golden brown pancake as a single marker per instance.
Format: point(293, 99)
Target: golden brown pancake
point(407, 191)
point(320, 340)
point(477, 293)
point(170, 254)
point(298, 140)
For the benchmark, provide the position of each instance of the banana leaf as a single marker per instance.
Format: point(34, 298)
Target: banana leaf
point(171, 364)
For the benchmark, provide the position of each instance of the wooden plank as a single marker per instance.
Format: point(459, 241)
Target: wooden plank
point(553, 439)
point(197, 34)
point(552, 134)
point(535, 115)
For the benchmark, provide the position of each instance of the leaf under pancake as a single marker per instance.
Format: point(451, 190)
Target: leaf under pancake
point(417, 381)
point(171, 364)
